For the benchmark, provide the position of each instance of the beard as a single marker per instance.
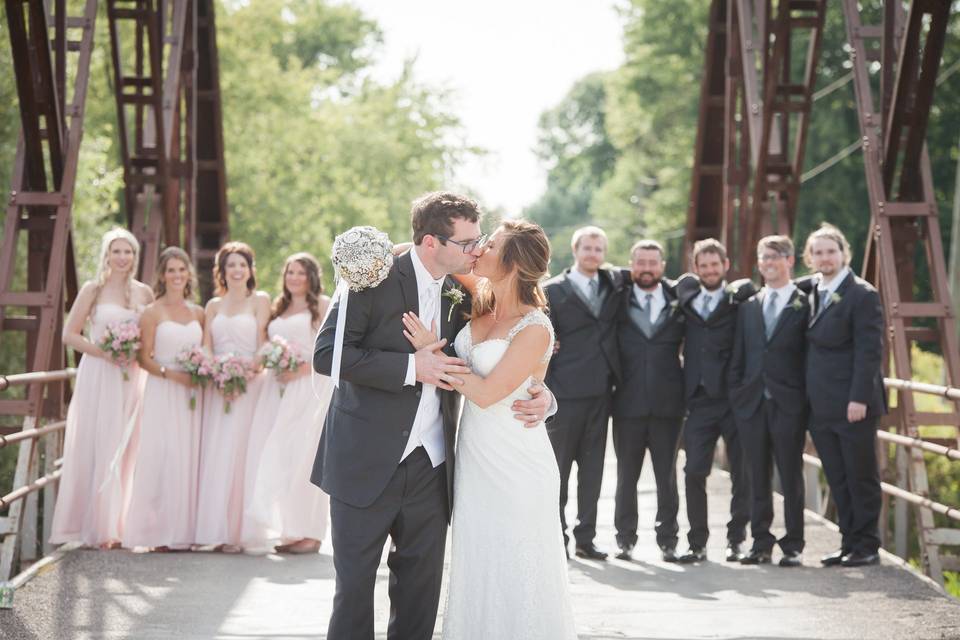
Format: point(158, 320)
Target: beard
point(712, 284)
point(646, 280)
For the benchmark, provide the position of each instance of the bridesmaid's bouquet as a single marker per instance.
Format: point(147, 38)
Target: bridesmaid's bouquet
point(121, 341)
point(230, 375)
point(195, 361)
point(277, 354)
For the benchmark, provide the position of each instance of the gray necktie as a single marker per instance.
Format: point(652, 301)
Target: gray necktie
point(770, 313)
point(705, 306)
point(641, 314)
point(594, 288)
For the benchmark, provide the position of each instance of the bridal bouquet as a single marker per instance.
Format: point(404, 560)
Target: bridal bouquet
point(121, 341)
point(195, 361)
point(362, 257)
point(277, 354)
point(230, 375)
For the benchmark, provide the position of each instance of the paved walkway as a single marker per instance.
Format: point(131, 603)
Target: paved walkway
point(92, 594)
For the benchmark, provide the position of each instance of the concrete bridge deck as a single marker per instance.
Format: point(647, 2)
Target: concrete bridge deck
point(118, 594)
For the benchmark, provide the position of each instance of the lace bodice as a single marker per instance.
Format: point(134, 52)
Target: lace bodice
point(484, 356)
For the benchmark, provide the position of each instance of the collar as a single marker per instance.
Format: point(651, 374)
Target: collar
point(783, 293)
point(835, 283)
point(716, 293)
point(424, 279)
point(582, 279)
point(656, 293)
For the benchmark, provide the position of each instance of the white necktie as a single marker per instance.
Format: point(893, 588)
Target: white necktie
point(428, 311)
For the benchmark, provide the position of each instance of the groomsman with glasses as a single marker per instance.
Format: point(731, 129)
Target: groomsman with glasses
point(769, 402)
point(648, 404)
point(583, 302)
point(845, 391)
point(711, 319)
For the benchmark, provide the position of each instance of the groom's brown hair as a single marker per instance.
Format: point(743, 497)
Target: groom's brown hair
point(433, 213)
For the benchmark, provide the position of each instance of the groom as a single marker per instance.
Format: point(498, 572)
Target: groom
point(386, 453)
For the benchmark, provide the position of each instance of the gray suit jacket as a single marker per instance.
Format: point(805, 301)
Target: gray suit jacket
point(370, 415)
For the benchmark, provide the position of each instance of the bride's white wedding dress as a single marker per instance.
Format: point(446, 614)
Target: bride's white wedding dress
point(508, 570)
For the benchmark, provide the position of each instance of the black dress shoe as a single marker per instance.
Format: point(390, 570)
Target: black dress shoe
point(669, 554)
point(833, 559)
point(857, 559)
point(734, 553)
point(693, 555)
point(756, 556)
point(590, 552)
point(791, 559)
point(626, 552)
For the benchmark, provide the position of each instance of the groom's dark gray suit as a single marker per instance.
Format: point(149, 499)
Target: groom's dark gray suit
point(372, 493)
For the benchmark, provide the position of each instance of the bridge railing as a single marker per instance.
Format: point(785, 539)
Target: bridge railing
point(911, 487)
point(25, 528)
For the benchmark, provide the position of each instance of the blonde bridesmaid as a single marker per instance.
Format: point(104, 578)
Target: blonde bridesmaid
point(163, 502)
point(236, 323)
point(93, 488)
point(283, 508)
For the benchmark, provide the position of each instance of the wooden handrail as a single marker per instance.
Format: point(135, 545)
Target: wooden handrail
point(27, 489)
point(31, 434)
point(922, 387)
point(907, 441)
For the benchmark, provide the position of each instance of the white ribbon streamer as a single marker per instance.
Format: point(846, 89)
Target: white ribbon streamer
point(340, 295)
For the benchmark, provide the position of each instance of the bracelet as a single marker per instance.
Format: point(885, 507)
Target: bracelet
point(163, 372)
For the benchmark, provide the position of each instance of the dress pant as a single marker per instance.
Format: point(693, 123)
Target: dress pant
point(773, 435)
point(848, 451)
point(578, 432)
point(412, 510)
point(632, 438)
point(709, 419)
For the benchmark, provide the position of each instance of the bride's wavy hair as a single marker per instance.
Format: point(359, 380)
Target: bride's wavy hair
point(524, 248)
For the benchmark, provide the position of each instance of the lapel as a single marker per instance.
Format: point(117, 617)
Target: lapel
point(817, 314)
point(666, 313)
point(408, 283)
point(573, 291)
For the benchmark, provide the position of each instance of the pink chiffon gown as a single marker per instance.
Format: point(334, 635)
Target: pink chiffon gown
point(95, 480)
point(223, 450)
point(163, 499)
point(282, 505)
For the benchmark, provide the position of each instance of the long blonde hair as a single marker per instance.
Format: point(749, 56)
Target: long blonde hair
point(103, 267)
point(526, 248)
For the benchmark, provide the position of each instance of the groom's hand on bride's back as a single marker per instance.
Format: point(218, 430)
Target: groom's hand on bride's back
point(436, 368)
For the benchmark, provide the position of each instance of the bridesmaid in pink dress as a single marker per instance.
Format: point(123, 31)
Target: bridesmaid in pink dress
point(282, 507)
point(92, 488)
point(163, 504)
point(236, 322)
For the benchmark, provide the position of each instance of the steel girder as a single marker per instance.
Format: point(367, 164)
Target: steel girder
point(764, 123)
point(903, 210)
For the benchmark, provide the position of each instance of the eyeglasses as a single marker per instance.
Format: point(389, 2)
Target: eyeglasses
point(771, 257)
point(466, 245)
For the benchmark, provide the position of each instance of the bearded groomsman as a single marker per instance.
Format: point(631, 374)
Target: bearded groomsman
point(767, 392)
point(583, 302)
point(711, 319)
point(648, 404)
point(845, 391)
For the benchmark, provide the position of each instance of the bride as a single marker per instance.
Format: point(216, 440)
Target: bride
point(508, 571)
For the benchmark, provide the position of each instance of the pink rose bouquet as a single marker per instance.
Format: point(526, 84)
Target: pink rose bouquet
point(121, 341)
point(197, 362)
point(279, 355)
point(230, 375)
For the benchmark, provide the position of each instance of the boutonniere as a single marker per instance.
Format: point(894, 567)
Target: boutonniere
point(731, 291)
point(455, 296)
point(835, 298)
point(674, 304)
point(797, 303)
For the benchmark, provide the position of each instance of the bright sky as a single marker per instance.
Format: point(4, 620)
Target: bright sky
point(507, 61)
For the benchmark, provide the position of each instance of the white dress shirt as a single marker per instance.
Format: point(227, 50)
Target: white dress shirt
point(427, 429)
point(834, 284)
point(784, 294)
point(657, 300)
point(582, 282)
point(714, 296)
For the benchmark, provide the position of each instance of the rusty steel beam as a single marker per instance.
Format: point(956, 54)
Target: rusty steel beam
point(903, 211)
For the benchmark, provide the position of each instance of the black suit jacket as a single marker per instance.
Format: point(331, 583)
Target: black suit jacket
point(708, 344)
point(775, 365)
point(587, 363)
point(371, 413)
point(652, 382)
point(845, 352)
